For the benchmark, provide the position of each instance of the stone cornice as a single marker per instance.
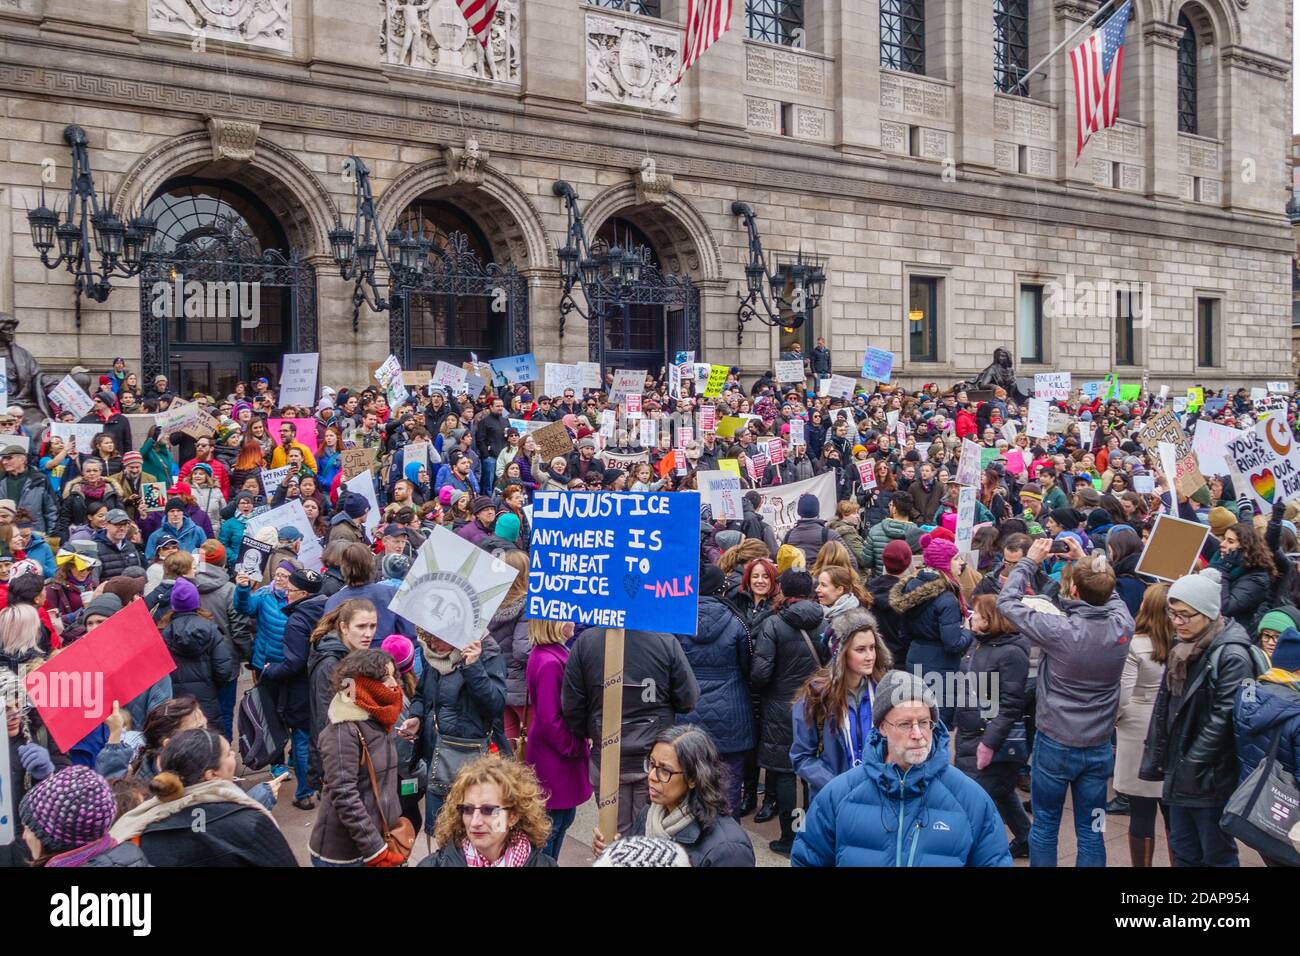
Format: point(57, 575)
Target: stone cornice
point(797, 167)
point(1256, 62)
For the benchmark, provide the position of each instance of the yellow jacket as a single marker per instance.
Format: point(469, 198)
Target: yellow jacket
point(280, 457)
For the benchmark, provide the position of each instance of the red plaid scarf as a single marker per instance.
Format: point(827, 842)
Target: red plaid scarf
point(517, 853)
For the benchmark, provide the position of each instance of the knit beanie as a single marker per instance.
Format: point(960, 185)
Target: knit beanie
point(1221, 519)
point(124, 588)
point(355, 506)
point(643, 851)
point(728, 539)
point(132, 458)
point(175, 504)
point(106, 605)
point(809, 506)
point(898, 557)
point(507, 526)
point(444, 495)
point(1067, 518)
point(1032, 490)
point(69, 809)
point(937, 552)
point(214, 552)
point(480, 503)
point(401, 649)
point(395, 566)
point(1201, 592)
point(712, 580)
point(1287, 653)
point(185, 596)
point(899, 687)
point(1277, 621)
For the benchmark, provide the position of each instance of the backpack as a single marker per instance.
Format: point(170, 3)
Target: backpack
point(261, 734)
point(1257, 656)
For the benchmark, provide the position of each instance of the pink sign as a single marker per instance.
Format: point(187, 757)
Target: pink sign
point(708, 418)
point(776, 451)
point(304, 429)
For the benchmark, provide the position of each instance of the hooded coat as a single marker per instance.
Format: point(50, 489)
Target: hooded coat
point(930, 614)
point(190, 536)
point(291, 674)
point(322, 659)
point(783, 660)
point(267, 606)
point(217, 597)
point(203, 661)
point(988, 718)
point(880, 534)
point(1263, 708)
point(720, 659)
point(509, 628)
point(930, 815)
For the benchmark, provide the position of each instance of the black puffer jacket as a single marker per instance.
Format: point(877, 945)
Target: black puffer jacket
point(891, 631)
point(509, 629)
point(203, 659)
point(115, 560)
point(1243, 592)
point(1190, 743)
point(1001, 668)
point(782, 662)
point(467, 702)
point(322, 659)
point(719, 656)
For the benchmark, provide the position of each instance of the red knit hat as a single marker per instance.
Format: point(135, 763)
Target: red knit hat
point(898, 556)
point(943, 533)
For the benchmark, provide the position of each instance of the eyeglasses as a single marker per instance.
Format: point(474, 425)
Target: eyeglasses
point(488, 811)
point(924, 726)
point(1181, 617)
point(661, 773)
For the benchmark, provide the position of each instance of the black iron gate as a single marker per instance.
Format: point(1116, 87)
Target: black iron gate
point(670, 301)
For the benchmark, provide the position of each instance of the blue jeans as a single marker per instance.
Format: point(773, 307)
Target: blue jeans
point(561, 820)
point(299, 744)
point(317, 861)
point(1084, 771)
point(489, 475)
point(735, 778)
point(1196, 840)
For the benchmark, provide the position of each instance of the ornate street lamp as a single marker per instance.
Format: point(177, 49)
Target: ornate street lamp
point(786, 297)
point(122, 247)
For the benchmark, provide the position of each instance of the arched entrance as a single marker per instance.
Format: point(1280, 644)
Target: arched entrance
point(224, 295)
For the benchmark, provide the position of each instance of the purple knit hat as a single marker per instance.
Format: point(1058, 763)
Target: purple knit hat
point(938, 552)
point(185, 596)
point(69, 809)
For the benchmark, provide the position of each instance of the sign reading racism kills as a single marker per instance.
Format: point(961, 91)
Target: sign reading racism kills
point(616, 559)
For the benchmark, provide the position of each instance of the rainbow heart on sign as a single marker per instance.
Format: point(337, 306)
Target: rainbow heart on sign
point(1264, 484)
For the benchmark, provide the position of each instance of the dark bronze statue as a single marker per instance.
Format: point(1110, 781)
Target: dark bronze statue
point(26, 382)
point(999, 372)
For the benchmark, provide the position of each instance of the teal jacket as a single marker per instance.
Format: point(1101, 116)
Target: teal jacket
point(268, 607)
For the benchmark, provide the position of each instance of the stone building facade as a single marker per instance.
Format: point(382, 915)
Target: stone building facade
point(922, 188)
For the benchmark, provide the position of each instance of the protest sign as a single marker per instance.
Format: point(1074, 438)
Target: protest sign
point(840, 386)
point(1210, 443)
point(389, 369)
point(289, 514)
point(988, 456)
point(1164, 427)
point(177, 416)
point(675, 380)
point(416, 451)
point(553, 440)
point(474, 384)
point(452, 589)
point(416, 378)
point(627, 382)
point(878, 364)
point(708, 418)
point(757, 465)
point(1144, 484)
point(589, 375)
point(1165, 451)
point(1281, 387)
point(1258, 394)
point(730, 465)
point(1057, 421)
point(1195, 398)
point(1052, 386)
point(83, 434)
point(1009, 432)
point(607, 422)
point(823, 387)
point(356, 460)
point(273, 477)
point(729, 425)
point(446, 375)
point(1213, 405)
point(867, 473)
point(1172, 547)
point(965, 518)
point(364, 485)
point(633, 405)
point(649, 432)
point(968, 468)
point(250, 565)
point(203, 425)
point(1130, 392)
point(797, 432)
point(625, 460)
point(891, 420)
point(1089, 390)
point(685, 434)
point(71, 397)
point(558, 377)
point(1180, 404)
point(298, 379)
point(776, 451)
point(684, 358)
point(790, 370)
point(153, 495)
point(779, 505)
point(304, 431)
point(1265, 463)
point(667, 463)
point(515, 369)
point(74, 690)
point(616, 559)
point(717, 379)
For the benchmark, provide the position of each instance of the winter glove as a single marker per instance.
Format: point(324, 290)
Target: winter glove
point(983, 756)
point(387, 858)
point(36, 761)
point(1279, 510)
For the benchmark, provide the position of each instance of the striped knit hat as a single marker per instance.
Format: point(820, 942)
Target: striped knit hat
point(69, 809)
point(641, 851)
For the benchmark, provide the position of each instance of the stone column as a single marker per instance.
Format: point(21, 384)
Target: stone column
point(1069, 16)
point(970, 66)
point(1255, 133)
point(554, 55)
point(716, 79)
point(849, 31)
point(1159, 111)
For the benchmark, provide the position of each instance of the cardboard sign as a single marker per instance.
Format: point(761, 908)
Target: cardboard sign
point(453, 588)
point(627, 383)
point(417, 378)
point(968, 468)
point(840, 386)
point(304, 431)
point(153, 495)
point(1164, 427)
point(298, 379)
point(83, 434)
point(965, 518)
point(1052, 386)
point(616, 559)
point(357, 460)
point(74, 690)
point(515, 369)
point(878, 364)
point(1057, 421)
point(290, 514)
point(446, 375)
point(1172, 547)
point(553, 441)
point(790, 370)
point(71, 397)
point(779, 505)
point(1265, 463)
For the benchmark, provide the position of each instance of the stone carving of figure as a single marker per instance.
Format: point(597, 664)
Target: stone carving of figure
point(413, 50)
point(1000, 372)
point(26, 385)
point(172, 11)
point(268, 19)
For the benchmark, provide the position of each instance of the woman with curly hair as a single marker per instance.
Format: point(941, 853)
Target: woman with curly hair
point(494, 815)
point(1247, 573)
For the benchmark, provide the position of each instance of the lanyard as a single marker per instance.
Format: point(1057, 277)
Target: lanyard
point(857, 736)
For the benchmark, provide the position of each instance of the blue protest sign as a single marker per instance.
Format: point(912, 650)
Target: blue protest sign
point(516, 368)
point(878, 365)
point(1090, 389)
point(1213, 405)
point(616, 559)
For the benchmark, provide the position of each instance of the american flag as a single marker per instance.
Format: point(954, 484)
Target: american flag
point(479, 14)
point(706, 20)
point(1096, 65)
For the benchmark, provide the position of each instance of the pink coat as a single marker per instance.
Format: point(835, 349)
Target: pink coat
point(558, 757)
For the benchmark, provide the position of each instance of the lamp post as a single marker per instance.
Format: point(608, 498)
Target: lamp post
point(786, 297)
point(122, 247)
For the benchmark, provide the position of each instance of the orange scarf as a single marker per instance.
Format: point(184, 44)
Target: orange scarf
point(381, 702)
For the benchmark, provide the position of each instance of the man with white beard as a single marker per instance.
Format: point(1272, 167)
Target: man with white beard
point(905, 805)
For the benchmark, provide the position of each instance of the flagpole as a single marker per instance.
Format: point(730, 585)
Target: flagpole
point(1063, 44)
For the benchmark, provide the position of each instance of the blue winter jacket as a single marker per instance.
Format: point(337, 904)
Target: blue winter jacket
point(232, 538)
point(1259, 710)
point(190, 536)
point(719, 656)
point(931, 815)
point(819, 769)
point(931, 622)
point(268, 607)
point(38, 550)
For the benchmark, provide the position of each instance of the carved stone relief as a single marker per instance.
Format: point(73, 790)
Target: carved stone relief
point(261, 23)
point(893, 138)
point(433, 35)
point(234, 140)
point(914, 96)
point(787, 70)
point(762, 116)
point(465, 164)
point(1006, 157)
point(632, 64)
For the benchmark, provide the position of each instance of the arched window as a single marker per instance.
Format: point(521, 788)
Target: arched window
point(1187, 114)
point(1010, 45)
point(902, 35)
point(775, 21)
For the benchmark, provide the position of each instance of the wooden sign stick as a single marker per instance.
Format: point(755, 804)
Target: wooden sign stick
point(611, 723)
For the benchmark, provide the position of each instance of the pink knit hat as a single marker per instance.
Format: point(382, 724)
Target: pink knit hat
point(938, 552)
point(401, 650)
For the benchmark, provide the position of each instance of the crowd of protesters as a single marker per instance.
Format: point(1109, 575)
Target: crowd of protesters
point(888, 698)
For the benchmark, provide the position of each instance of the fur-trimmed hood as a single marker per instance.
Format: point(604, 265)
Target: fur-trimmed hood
point(911, 593)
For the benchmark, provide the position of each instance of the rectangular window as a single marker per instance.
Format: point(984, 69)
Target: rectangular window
point(1010, 45)
point(902, 35)
point(775, 21)
point(1207, 332)
point(1030, 319)
point(648, 8)
point(923, 318)
point(1128, 306)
